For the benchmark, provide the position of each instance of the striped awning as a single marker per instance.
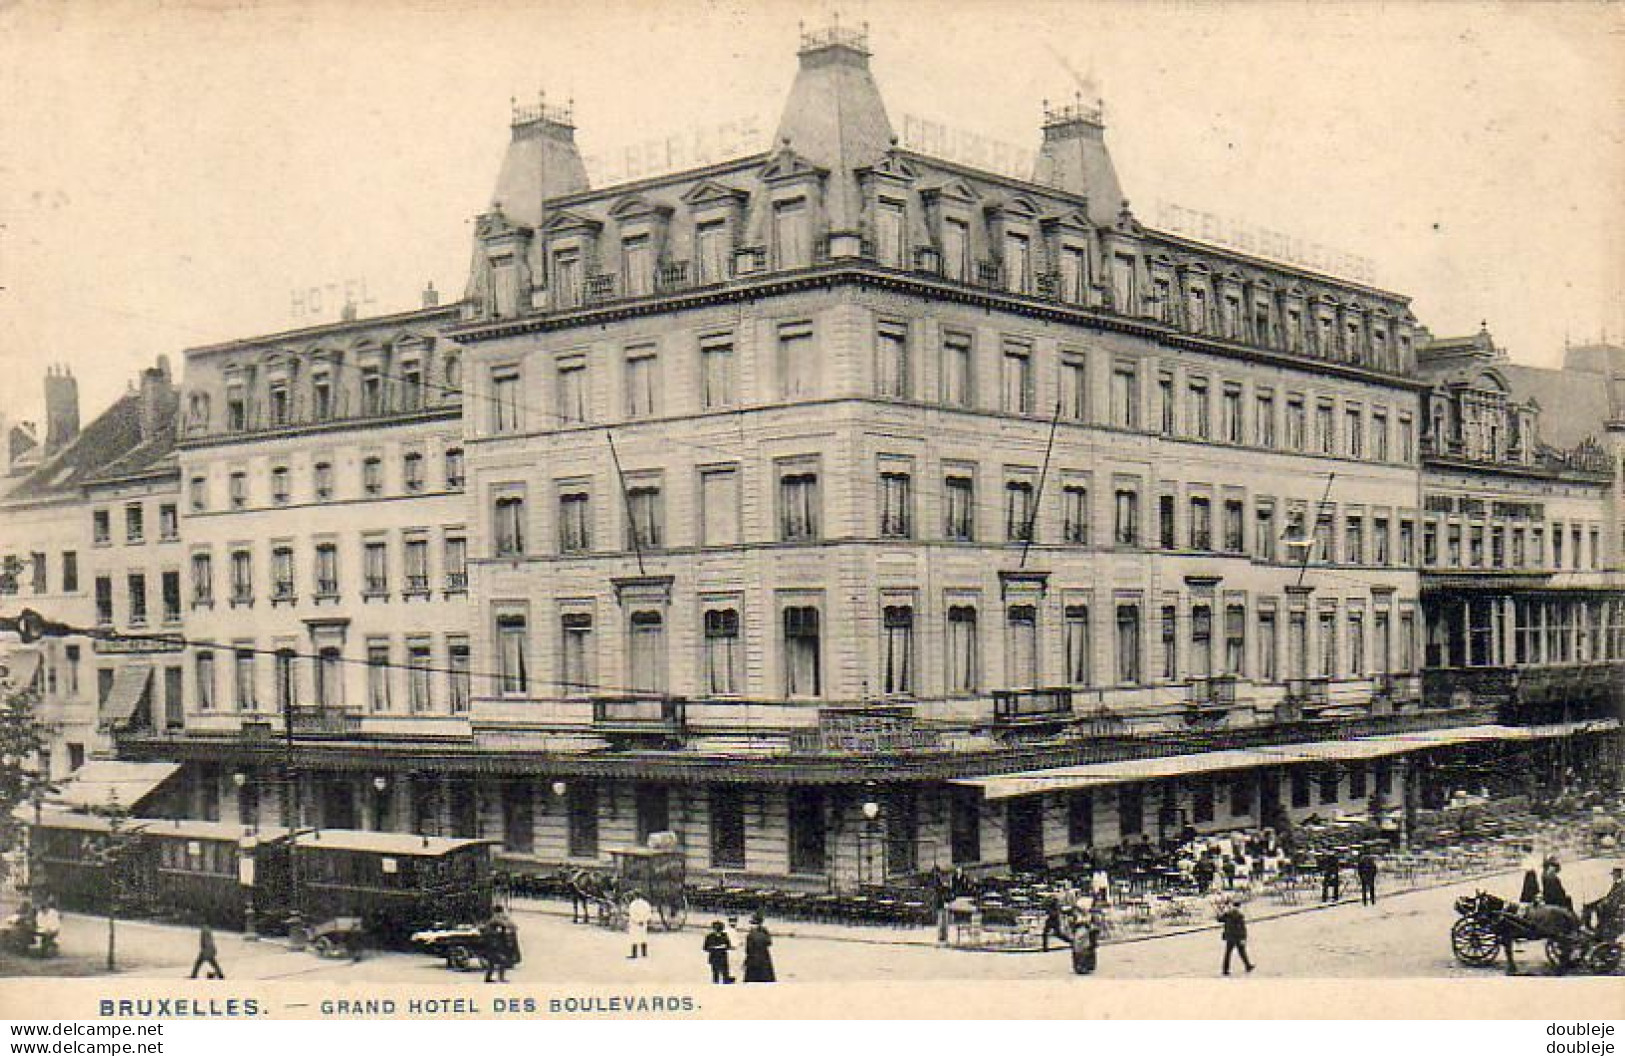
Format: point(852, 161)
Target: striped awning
point(101, 783)
point(130, 687)
point(22, 666)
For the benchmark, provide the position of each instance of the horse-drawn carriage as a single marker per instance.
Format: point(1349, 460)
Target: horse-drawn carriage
point(1487, 926)
point(658, 872)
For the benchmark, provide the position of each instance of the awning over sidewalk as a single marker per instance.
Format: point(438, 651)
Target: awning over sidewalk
point(1094, 775)
point(23, 666)
point(1123, 771)
point(102, 782)
point(130, 687)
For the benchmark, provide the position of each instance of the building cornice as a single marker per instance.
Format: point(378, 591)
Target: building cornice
point(843, 273)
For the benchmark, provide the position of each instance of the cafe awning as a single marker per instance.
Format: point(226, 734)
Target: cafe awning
point(1121, 772)
point(1094, 775)
point(129, 689)
point(23, 665)
point(103, 782)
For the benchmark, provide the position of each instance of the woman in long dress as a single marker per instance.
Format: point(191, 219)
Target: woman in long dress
point(758, 959)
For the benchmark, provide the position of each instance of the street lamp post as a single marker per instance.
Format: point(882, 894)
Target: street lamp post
point(871, 831)
point(245, 861)
point(290, 818)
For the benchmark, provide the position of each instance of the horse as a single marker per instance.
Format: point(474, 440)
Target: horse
point(585, 893)
point(1512, 922)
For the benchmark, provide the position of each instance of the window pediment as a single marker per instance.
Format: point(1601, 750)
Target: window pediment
point(786, 166)
point(891, 169)
point(565, 222)
point(637, 207)
point(709, 194)
point(1016, 207)
point(953, 191)
point(1068, 221)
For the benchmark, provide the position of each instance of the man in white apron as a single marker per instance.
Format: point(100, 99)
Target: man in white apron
point(638, 914)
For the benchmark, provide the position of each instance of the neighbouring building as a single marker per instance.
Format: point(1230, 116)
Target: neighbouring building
point(67, 563)
point(1523, 575)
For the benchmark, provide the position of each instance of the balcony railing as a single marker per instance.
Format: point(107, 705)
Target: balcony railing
point(633, 714)
point(671, 276)
point(1020, 707)
point(596, 289)
point(316, 719)
point(456, 581)
point(1216, 692)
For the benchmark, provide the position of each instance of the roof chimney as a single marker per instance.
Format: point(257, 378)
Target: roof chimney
point(347, 314)
point(431, 296)
point(61, 409)
point(159, 400)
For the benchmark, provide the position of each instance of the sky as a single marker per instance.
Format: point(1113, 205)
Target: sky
point(178, 174)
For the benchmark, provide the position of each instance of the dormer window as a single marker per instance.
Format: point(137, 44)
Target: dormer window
point(321, 389)
point(1017, 262)
point(279, 403)
point(637, 265)
point(713, 250)
point(890, 234)
point(955, 249)
point(792, 234)
point(567, 277)
point(372, 390)
point(1074, 275)
point(236, 407)
point(411, 385)
point(1124, 292)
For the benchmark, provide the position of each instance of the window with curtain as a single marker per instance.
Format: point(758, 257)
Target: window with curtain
point(1268, 667)
point(713, 250)
point(513, 655)
point(897, 649)
point(1170, 642)
point(891, 362)
point(963, 662)
point(1017, 378)
point(956, 369)
point(1126, 527)
point(719, 506)
point(1077, 645)
point(959, 508)
point(798, 371)
point(724, 656)
point(571, 377)
point(792, 235)
point(645, 517)
point(802, 669)
point(1074, 388)
point(647, 647)
point(717, 372)
point(1201, 641)
point(1018, 510)
point(799, 505)
point(642, 382)
point(1021, 637)
point(508, 523)
point(895, 505)
point(1075, 513)
point(1235, 639)
point(1128, 644)
point(576, 654)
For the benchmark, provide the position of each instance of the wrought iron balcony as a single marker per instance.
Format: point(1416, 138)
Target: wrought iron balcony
point(1024, 707)
point(1216, 692)
point(640, 714)
point(320, 720)
point(672, 275)
point(596, 289)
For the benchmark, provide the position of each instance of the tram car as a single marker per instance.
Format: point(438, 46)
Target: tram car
point(393, 883)
point(388, 884)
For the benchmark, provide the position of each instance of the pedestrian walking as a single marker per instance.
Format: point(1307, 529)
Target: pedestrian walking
point(207, 954)
point(716, 946)
point(1085, 946)
point(736, 946)
point(638, 914)
point(1366, 868)
point(1203, 872)
point(758, 955)
point(1234, 923)
point(1052, 923)
point(1229, 873)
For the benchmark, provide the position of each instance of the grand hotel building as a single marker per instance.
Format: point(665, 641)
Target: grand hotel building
point(844, 510)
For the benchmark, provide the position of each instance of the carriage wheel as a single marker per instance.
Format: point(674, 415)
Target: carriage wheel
point(325, 946)
point(1560, 955)
point(675, 914)
point(1474, 943)
point(1603, 959)
point(458, 958)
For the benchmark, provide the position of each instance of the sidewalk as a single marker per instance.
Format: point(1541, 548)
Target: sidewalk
point(1259, 908)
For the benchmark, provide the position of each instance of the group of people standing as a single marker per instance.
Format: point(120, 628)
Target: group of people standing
point(723, 939)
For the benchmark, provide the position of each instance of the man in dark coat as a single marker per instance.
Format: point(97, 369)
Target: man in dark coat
point(1530, 894)
point(1331, 877)
point(1234, 923)
point(1552, 892)
point(758, 959)
point(501, 941)
point(1366, 867)
point(1202, 871)
point(206, 953)
point(716, 946)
